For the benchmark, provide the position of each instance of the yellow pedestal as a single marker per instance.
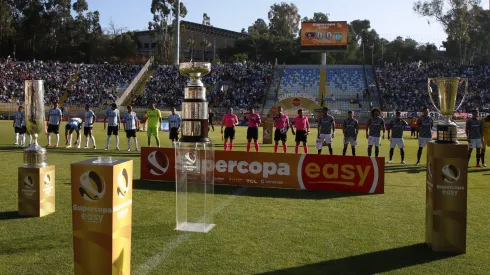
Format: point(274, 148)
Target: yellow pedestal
point(446, 197)
point(101, 215)
point(268, 134)
point(36, 191)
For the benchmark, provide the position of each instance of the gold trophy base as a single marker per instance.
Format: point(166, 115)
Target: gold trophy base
point(446, 197)
point(447, 134)
point(36, 191)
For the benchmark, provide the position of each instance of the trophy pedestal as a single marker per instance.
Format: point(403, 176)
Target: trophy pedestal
point(194, 172)
point(101, 215)
point(446, 197)
point(36, 191)
point(447, 134)
point(268, 133)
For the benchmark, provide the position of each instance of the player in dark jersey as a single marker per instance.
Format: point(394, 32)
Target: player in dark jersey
point(425, 132)
point(350, 129)
point(210, 120)
point(397, 126)
point(375, 125)
point(326, 131)
point(474, 133)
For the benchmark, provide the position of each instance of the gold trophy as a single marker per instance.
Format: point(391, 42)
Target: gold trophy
point(447, 92)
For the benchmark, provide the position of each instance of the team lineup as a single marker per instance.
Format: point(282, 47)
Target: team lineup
point(477, 130)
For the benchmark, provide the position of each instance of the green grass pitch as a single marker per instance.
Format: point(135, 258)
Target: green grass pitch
point(258, 231)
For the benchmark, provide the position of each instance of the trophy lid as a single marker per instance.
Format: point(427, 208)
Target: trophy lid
point(187, 68)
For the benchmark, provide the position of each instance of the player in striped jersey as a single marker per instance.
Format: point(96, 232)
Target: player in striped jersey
point(131, 123)
point(55, 116)
point(90, 119)
point(74, 124)
point(174, 124)
point(19, 121)
point(114, 122)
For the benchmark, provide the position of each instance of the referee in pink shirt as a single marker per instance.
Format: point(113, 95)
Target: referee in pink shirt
point(229, 120)
point(281, 122)
point(253, 129)
point(302, 130)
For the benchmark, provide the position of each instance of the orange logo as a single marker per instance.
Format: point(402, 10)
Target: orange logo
point(296, 102)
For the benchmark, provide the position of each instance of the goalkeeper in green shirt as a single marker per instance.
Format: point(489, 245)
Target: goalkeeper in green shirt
point(154, 120)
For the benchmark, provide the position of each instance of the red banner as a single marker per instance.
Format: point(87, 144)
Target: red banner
point(292, 171)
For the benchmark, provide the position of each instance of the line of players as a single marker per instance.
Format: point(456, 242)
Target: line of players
point(112, 122)
point(475, 132)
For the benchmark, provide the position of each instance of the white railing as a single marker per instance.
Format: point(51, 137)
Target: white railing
point(135, 81)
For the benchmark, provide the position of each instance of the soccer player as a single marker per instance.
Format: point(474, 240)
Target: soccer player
point(425, 124)
point(73, 124)
point(302, 130)
point(19, 118)
point(486, 138)
point(90, 119)
point(397, 126)
point(114, 123)
point(174, 124)
point(281, 122)
point(230, 120)
point(253, 129)
point(131, 123)
point(374, 127)
point(326, 131)
point(350, 130)
point(153, 120)
point(474, 133)
point(210, 119)
point(55, 116)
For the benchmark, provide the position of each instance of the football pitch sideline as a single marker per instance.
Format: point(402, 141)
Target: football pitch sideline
point(258, 231)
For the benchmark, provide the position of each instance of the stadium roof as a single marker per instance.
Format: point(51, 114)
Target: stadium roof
point(209, 30)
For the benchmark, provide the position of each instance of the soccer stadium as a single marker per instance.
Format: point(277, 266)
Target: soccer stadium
point(298, 145)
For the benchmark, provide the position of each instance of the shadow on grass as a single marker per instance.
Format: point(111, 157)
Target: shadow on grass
point(11, 215)
point(251, 191)
point(479, 170)
point(371, 263)
point(404, 168)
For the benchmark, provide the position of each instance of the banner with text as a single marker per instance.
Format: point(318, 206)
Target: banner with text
point(293, 171)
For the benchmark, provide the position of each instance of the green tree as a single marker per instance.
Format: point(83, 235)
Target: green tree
point(284, 20)
point(204, 45)
point(191, 43)
point(456, 20)
point(317, 17)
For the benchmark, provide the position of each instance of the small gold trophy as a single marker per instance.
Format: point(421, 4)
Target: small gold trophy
point(447, 91)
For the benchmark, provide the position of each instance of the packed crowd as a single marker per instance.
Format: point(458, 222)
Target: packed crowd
point(248, 85)
point(13, 74)
point(404, 85)
point(98, 85)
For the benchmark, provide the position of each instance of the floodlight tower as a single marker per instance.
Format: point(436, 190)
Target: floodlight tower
point(177, 34)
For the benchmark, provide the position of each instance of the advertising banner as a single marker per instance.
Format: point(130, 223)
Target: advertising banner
point(36, 191)
point(293, 171)
point(446, 197)
point(324, 34)
point(268, 133)
point(101, 216)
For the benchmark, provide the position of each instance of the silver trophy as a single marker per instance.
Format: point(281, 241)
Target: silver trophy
point(34, 155)
point(195, 104)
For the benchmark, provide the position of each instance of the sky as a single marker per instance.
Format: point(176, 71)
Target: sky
point(390, 18)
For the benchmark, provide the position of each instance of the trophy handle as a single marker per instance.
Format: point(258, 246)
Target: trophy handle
point(430, 94)
point(465, 94)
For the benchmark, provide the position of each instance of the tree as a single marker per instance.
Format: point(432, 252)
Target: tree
point(357, 27)
point(258, 28)
point(284, 20)
point(455, 19)
point(204, 45)
point(6, 20)
point(191, 43)
point(163, 17)
point(317, 17)
point(206, 20)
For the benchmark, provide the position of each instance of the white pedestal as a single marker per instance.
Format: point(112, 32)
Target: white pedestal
point(194, 180)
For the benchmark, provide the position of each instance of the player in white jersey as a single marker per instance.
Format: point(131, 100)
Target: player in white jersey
point(131, 123)
point(90, 119)
point(114, 124)
point(73, 124)
point(19, 126)
point(55, 116)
